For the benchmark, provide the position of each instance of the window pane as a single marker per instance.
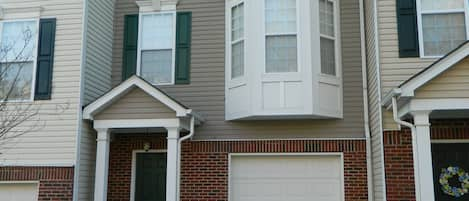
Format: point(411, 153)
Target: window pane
point(237, 22)
point(442, 32)
point(326, 17)
point(442, 4)
point(281, 55)
point(16, 77)
point(156, 66)
point(327, 56)
point(157, 31)
point(280, 16)
point(237, 59)
point(18, 40)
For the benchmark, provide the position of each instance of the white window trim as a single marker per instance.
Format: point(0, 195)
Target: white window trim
point(465, 10)
point(285, 75)
point(173, 41)
point(134, 167)
point(337, 43)
point(36, 36)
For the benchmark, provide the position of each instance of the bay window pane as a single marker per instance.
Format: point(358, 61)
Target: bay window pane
point(237, 59)
point(442, 4)
point(18, 41)
point(157, 31)
point(326, 17)
point(237, 22)
point(281, 54)
point(280, 16)
point(16, 80)
point(442, 32)
point(156, 66)
point(327, 56)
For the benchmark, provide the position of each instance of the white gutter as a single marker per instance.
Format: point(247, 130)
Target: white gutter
point(188, 136)
point(414, 145)
point(369, 170)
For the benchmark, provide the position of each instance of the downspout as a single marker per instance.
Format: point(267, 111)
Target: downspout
point(369, 170)
point(414, 145)
point(188, 136)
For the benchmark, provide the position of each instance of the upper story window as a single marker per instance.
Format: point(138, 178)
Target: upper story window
point(237, 40)
point(18, 41)
point(281, 36)
point(442, 25)
point(156, 47)
point(327, 29)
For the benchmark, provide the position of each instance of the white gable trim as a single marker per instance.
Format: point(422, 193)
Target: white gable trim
point(110, 97)
point(408, 88)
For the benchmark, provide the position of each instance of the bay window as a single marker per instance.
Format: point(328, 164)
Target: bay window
point(18, 41)
point(156, 48)
point(283, 59)
point(442, 25)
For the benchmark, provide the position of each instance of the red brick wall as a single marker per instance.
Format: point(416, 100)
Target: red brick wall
point(205, 164)
point(55, 183)
point(399, 160)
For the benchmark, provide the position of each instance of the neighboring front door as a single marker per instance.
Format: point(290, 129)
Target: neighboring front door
point(150, 177)
point(445, 156)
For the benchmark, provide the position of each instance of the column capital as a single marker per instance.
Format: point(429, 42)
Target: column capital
point(173, 133)
point(103, 134)
point(421, 117)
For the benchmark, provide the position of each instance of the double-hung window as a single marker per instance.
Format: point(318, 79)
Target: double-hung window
point(18, 42)
point(156, 52)
point(237, 41)
point(442, 25)
point(281, 36)
point(328, 36)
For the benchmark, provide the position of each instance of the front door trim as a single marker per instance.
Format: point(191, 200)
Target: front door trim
point(134, 168)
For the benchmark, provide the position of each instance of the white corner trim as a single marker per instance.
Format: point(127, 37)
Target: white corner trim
point(135, 81)
point(134, 168)
point(436, 69)
point(156, 5)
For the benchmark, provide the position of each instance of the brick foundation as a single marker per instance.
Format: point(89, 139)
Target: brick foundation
point(55, 183)
point(204, 168)
point(399, 160)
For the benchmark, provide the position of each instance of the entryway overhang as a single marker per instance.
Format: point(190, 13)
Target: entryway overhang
point(137, 105)
point(439, 91)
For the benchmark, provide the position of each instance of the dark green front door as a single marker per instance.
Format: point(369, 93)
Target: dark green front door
point(150, 177)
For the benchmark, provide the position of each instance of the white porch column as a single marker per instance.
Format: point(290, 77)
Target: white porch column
point(102, 162)
point(424, 156)
point(172, 164)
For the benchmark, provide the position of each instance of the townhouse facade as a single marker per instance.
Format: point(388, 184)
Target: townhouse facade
point(241, 100)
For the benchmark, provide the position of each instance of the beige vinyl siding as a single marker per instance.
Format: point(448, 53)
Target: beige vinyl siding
point(136, 104)
point(87, 163)
point(374, 96)
point(54, 141)
point(206, 93)
point(99, 39)
point(453, 83)
point(394, 70)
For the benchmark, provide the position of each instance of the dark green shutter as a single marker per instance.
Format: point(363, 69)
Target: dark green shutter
point(183, 47)
point(45, 59)
point(407, 28)
point(129, 61)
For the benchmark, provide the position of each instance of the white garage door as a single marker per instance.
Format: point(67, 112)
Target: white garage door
point(286, 178)
point(19, 192)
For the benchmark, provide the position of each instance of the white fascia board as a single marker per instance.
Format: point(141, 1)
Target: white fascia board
point(439, 67)
point(434, 104)
point(126, 86)
point(137, 123)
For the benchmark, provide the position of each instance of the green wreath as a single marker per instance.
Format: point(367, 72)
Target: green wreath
point(463, 178)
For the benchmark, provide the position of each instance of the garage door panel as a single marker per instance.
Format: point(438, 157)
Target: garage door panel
point(292, 178)
point(19, 191)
